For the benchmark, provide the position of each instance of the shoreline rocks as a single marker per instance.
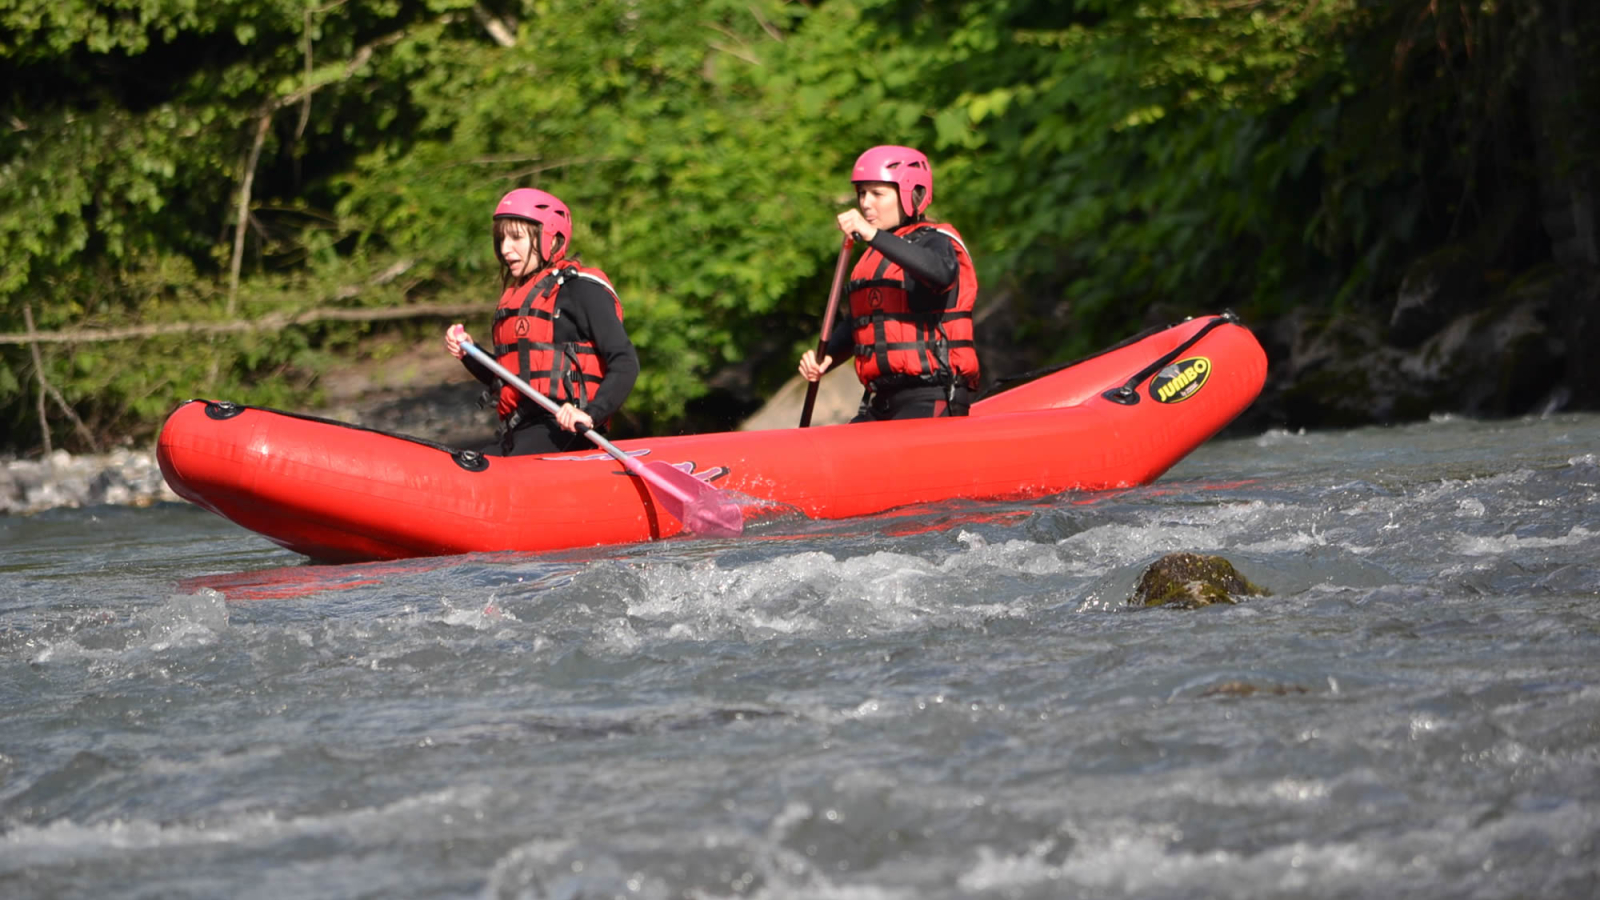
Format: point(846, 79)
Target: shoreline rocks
point(118, 478)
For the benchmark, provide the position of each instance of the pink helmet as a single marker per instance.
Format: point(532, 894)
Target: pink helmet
point(905, 168)
point(537, 206)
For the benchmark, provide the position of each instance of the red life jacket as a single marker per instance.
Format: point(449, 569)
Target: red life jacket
point(524, 340)
point(891, 339)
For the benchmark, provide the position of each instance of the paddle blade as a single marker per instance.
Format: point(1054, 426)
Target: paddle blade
point(707, 512)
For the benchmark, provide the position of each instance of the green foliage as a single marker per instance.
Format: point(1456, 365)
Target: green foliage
point(1118, 155)
point(1103, 158)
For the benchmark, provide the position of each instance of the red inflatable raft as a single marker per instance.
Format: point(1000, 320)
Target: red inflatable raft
point(338, 493)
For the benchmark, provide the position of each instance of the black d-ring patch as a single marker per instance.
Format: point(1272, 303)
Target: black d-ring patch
point(471, 460)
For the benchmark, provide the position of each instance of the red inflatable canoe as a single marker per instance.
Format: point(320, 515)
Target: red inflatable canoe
point(338, 493)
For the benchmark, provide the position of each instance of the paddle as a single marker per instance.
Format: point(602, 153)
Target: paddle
point(827, 328)
point(701, 508)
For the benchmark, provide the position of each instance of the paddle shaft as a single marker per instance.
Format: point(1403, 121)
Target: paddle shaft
point(628, 462)
point(827, 328)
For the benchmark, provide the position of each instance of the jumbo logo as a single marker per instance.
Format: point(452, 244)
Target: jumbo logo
point(1181, 380)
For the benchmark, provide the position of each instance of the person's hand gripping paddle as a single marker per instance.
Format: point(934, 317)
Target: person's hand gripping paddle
point(701, 508)
point(827, 328)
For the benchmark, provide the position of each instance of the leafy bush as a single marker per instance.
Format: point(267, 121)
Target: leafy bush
point(1104, 159)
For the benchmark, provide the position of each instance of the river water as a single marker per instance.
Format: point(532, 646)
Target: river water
point(949, 703)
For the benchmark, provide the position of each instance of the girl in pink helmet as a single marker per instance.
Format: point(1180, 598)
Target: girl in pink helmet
point(911, 297)
point(558, 326)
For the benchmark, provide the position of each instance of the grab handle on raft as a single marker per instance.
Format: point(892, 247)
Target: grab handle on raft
point(701, 508)
point(1128, 393)
point(827, 328)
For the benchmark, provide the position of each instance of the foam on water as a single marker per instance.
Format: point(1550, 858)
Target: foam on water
point(947, 703)
point(66, 841)
point(1471, 545)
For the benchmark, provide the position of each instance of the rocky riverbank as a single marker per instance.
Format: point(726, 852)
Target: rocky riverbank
point(118, 478)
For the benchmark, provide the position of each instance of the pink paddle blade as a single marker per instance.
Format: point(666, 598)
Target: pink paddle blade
point(712, 515)
point(707, 511)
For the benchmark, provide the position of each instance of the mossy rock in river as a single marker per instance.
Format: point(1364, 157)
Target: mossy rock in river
point(1190, 581)
point(1246, 689)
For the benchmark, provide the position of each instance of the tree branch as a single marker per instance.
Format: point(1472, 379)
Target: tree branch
point(305, 105)
point(46, 387)
point(563, 163)
point(38, 370)
point(741, 53)
point(272, 322)
point(350, 291)
point(246, 181)
point(496, 28)
point(766, 26)
point(248, 177)
point(363, 54)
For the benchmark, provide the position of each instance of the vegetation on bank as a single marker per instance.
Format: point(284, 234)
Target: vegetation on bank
point(236, 193)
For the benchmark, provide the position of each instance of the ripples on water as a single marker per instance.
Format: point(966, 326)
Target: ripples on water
point(952, 703)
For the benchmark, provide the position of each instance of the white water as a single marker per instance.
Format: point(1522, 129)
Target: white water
point(950, 705)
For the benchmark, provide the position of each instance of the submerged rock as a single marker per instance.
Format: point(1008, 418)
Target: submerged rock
point(1190, 581)
point(1246, 689)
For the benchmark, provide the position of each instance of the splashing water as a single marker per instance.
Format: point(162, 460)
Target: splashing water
point(953, 701)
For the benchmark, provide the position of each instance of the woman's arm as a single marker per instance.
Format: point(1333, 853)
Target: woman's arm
point(842, 343)
point(593, 313)
point(929, 257)
point(479, 372)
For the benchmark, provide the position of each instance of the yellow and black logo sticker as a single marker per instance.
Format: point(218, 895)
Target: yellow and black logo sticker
point(1181, 380)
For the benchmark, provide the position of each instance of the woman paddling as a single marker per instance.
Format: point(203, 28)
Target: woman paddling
point(911, 297)
point(558, 326)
